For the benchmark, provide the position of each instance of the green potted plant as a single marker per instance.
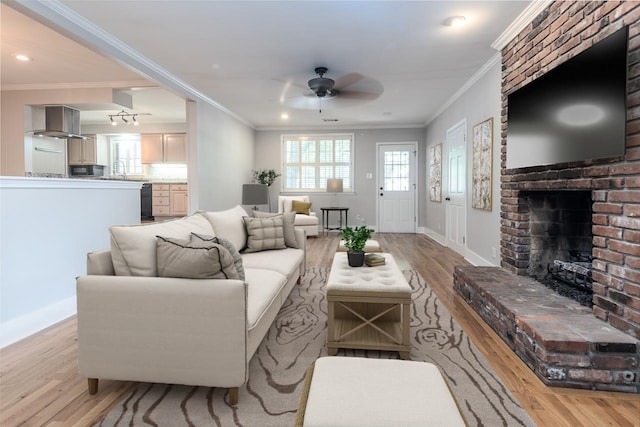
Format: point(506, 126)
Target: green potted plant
point(355, 240)
point(265, 176)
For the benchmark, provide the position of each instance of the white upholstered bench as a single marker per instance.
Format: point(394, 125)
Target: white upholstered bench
point(354, 391)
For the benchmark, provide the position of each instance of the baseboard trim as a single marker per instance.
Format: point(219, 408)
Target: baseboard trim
point(435, 236)
point(30, 323)
point(478, 261)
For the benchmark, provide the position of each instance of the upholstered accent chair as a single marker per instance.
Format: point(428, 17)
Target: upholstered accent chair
point(309, 223)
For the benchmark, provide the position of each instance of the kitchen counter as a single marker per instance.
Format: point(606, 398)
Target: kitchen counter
point(48, 226)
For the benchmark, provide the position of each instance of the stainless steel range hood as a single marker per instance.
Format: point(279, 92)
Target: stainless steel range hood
point(60, 122)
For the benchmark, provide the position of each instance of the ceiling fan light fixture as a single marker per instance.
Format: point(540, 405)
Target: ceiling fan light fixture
point(321, 86)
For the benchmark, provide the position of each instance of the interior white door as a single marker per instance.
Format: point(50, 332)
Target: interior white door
point(456, 205)
point(397, 188)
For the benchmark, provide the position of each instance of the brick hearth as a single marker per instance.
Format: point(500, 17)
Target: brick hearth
point(560, 340)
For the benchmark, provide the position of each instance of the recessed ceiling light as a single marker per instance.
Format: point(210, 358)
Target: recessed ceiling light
point(284, 116)
point(23, 58)
point(455, 21)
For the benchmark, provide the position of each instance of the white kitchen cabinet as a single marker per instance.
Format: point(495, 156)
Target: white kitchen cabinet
point(169, 199)
point(164, 148)
point(91, 151)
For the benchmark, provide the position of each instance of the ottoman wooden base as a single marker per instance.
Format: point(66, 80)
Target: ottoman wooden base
point(352, 392)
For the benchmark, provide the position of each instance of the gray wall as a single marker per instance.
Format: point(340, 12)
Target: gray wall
point(224, 156)
point(363, 201)
point(480, 102)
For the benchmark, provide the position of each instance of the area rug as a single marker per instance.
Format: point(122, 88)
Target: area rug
point(295, 340)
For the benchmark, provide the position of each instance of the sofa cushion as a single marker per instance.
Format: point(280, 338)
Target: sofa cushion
point(263, 290)
point(133, 247)
point(264, 234)
point(229, 224)
point(305, 220)
point(300, 207)
point(283, 261)
point(194, 259)
point(289, 227)
point(237, 259)
point(285, 202)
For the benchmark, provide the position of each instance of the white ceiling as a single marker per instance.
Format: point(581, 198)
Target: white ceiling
point(254, 57)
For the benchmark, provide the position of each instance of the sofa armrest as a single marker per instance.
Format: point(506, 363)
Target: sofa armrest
point(311, 213)
point(153, 329)
point(301, 239)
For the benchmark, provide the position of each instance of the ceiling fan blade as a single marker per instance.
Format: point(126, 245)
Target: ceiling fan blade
point(348, 80)
point(359, 95)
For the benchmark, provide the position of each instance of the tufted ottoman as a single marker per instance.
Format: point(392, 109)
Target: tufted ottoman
point(369, 307)
point(352, 392)
point(369, 246)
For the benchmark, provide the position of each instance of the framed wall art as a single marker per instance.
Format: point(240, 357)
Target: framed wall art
point(482, 165)
point(435, 173)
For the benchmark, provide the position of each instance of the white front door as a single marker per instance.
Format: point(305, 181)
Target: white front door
point(397, 188)
point(455, 199)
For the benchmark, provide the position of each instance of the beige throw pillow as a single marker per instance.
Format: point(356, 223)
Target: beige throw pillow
point(289, 228)
point(194, 260)
point(264, 233)
point(229, 224)
point(237, 259)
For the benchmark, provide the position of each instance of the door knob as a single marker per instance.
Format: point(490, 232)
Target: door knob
point(382, 194)
point(448, 199)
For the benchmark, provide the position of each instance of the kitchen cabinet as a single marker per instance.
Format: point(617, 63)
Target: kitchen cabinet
point(164, 148)
point(178, 202)
point(169, 199)
point(91, 151)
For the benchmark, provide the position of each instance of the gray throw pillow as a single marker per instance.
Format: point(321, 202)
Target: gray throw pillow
point(237, 258)
point(193, 260)
point(264, 234)
point(289, 228)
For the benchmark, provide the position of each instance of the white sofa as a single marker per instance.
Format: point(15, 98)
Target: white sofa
point(309, 223)
point(140, 327)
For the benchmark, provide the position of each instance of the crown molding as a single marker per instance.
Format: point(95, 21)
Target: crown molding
point(342, 128)
point(524, 19)
point(495, 59)
point(79, 85)
point(68, 22)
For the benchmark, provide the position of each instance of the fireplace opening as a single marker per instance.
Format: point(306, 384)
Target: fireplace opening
point(562, 242)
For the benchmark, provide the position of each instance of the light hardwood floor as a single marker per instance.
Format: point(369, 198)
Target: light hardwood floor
point(39, 384)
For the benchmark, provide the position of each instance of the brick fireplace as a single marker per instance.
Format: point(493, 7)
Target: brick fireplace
point(591, 206)
point(560, 32)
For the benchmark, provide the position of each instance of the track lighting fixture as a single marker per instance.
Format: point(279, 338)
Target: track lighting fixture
point(123, 115)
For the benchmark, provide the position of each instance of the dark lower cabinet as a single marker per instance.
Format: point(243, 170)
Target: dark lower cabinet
point(146, 202)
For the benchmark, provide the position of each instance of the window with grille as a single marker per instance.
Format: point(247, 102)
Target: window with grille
point(309, 160)
point(126, 152)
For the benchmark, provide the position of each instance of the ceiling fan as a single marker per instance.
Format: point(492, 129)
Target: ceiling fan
point(347, 89)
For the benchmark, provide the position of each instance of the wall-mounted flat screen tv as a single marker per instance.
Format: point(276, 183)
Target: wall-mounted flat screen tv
point(575, 112)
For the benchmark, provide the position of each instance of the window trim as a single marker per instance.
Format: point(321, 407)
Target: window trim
point(317, 136)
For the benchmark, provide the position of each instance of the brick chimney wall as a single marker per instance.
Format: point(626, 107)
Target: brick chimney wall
point(562, 31)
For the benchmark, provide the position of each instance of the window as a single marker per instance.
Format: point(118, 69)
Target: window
point(126, 149)
point(396, 170)
point(309, 160)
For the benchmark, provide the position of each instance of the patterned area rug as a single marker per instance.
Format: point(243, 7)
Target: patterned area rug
point(295, 340)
